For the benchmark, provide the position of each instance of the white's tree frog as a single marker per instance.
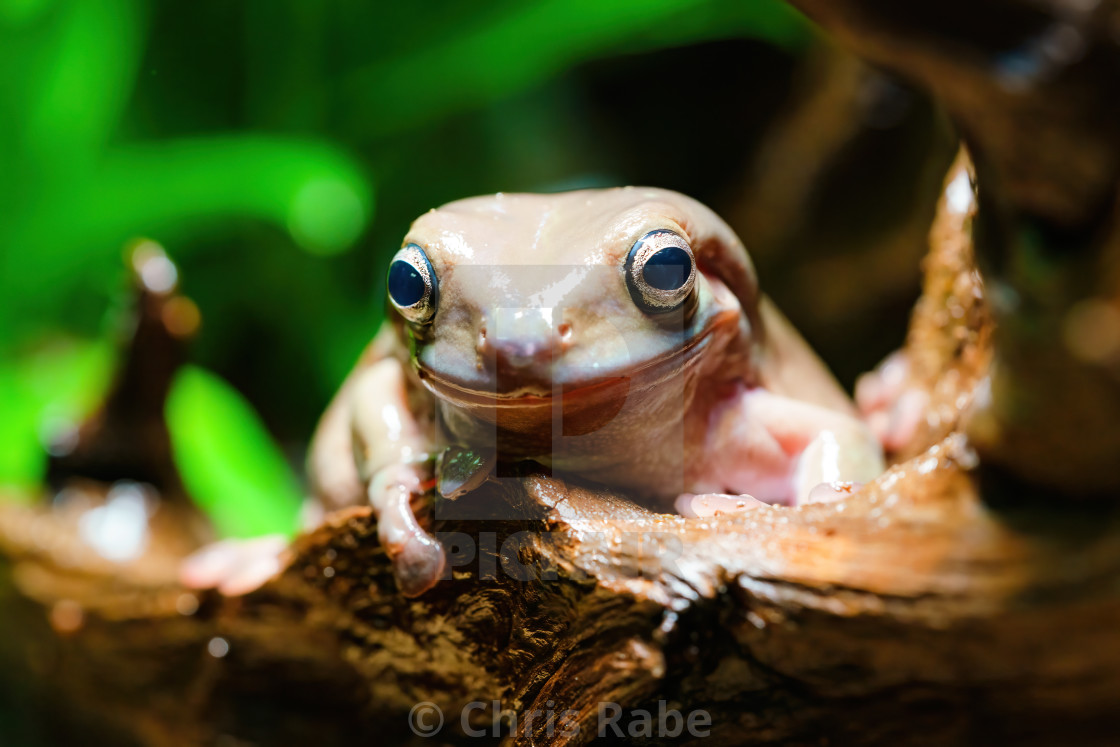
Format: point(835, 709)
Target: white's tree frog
point(614, 336)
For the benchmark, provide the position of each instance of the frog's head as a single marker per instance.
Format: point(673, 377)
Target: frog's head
point(513, 297)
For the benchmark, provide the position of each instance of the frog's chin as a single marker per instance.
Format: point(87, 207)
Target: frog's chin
point(606, 386)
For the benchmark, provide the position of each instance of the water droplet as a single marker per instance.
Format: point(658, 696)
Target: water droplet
point(186, 604)
point(217, 647)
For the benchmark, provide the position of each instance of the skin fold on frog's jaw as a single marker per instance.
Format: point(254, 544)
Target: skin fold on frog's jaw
point(538, 391)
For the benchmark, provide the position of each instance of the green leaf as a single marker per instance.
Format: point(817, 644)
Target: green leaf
point(22, 460)
point(61, 383)
point(314, 189)
point(229, 463)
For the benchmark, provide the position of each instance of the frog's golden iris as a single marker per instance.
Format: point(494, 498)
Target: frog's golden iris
point(412, 284)
point(660, 272)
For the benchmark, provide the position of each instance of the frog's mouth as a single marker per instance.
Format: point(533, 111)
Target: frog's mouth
point(608, 389)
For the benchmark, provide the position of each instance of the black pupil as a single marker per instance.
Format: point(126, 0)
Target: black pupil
point(667, 269)
point(406, 285)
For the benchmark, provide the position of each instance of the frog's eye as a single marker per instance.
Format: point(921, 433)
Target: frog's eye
point(413, 287)
point(660, 272)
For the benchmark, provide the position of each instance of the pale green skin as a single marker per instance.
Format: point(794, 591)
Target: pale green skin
point(726, 401)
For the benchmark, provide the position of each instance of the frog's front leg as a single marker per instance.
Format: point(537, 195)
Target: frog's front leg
point(777, 449)
point(392, 453)
point(368, 444)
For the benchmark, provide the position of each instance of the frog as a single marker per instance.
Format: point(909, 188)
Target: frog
point(616, 337)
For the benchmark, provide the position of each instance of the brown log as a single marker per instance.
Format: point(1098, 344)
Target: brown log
point(1032, 89)
point(907, 613)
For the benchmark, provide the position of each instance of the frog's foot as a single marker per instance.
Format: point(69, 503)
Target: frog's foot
point(418, 558)
point(460, 470)
point(829, 492)
point(891, 406)
point(706, 505)
point(703, 505)
point(234, 567)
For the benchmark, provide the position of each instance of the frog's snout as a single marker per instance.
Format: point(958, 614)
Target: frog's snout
point(519, 353)
point(520, 345)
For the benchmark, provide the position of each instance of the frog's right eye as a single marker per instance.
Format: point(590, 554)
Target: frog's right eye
point(413, 287)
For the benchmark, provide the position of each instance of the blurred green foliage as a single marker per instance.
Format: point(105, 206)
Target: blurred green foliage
point(239, 134)
point(222, 450)
point(55, 384)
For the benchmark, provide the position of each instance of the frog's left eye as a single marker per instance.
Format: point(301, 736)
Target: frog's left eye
point(660, 271)
point(413, 287)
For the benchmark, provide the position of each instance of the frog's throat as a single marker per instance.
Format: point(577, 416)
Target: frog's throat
point(650, 373)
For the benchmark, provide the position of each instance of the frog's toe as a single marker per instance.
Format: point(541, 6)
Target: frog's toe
point(906, 418)
point(891, 405)
point(714, 504)
point(234, 567)
point(255, 573)
point(418, 565)
point(417, 557)
point(206, 568)
point(878, 389)
point(828, 492)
